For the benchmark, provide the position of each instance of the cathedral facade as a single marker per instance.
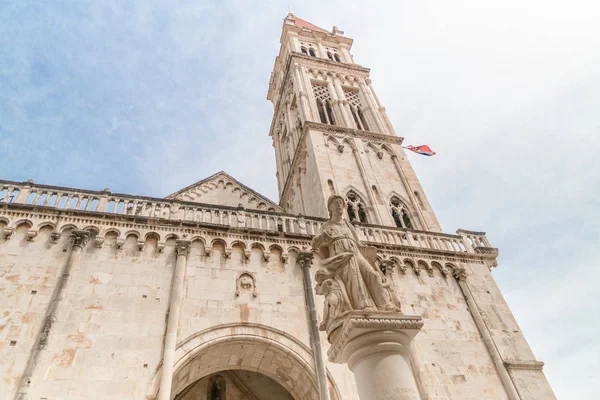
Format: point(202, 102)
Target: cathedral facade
point(211, 293)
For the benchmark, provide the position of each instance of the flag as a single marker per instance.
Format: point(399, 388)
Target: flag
point(423, 150)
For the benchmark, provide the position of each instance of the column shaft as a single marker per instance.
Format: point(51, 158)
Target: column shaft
point(78, 242)
point(305, 261)
point(166, 377)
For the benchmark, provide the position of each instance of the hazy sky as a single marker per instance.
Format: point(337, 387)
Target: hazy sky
point(146, 97)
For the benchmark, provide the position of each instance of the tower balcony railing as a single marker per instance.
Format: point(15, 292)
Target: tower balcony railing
point(30, 195)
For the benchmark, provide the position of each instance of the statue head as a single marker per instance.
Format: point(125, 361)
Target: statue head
point(328, 285)
point(335, 205)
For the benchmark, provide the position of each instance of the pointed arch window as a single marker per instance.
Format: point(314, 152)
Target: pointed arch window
point(304, 51)
point(324, 108)
point(356, 208)
point(337, 57)
point(329, 55)
point(400, 214)
point(312, 52)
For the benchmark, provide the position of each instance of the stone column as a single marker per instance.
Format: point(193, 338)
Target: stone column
point(376, 347)
point(78, 241)
point(305, 261)
point(166, 378)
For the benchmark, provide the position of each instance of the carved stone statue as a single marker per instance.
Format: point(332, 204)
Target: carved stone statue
point(335, 303)
point(362, 285)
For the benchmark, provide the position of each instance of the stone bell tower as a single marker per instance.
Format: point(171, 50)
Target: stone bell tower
point(332, 136)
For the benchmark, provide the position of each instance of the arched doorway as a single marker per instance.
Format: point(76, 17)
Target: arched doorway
point(234, 385)
point(237, 348)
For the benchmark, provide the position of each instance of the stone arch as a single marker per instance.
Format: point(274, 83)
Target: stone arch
point(22, 221)
point(260, 348)
point(43, 225)
point(67, 227)
point(152, 233)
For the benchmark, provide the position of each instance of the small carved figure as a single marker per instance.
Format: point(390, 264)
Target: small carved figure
point(334, 302)
point(245, 281)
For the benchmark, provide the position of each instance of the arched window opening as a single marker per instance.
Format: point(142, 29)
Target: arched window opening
point(329, 113)
point(311, 52)
point(355, 115)
point(329, 55)
point(362, 118)
point(400, 214)
point(330, 184)
point(216, 388)
point(322, 114)
point(356, 208)
point(304, 51)
point(337, 57)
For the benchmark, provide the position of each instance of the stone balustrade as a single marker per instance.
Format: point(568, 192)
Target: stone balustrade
point(105, 202)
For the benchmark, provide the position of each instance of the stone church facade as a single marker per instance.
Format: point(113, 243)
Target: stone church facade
point(209, 293)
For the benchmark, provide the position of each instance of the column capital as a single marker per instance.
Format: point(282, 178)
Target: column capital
point(305, 259)
point(80, 238)
point(182, 247)
point(344, 345)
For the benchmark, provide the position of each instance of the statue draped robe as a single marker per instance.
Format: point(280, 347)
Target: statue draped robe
point(361, 281)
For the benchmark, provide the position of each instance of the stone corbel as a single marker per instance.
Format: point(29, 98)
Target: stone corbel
point(340, 148)
point(141, 244)
point(8, 233)
point(444, 271)
point(247, 254)
point(55, 237)
point(266, 256)
point(160, 246)
point(285, 257)
point(98, 241)
point(417, 269)
point(208, 250)
point(429, 269)
point(460, 274)
point(380, 154)
point(228, 251)
point(31, 234)
point(120, 243)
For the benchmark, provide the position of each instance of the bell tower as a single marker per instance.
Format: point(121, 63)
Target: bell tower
point(331, 135)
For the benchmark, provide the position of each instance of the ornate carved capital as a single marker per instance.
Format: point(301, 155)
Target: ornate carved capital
point(460, 274)
point(80, 238)
point(182, 247)
point(305, 259)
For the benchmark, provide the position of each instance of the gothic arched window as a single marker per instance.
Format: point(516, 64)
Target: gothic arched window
point(216, 388)
point(304, 51)
point(325, 112)
point(311, 52)
point(356, 208)
point(363, 121)
point(400, 214)
point(329, 55)
point(337, 57)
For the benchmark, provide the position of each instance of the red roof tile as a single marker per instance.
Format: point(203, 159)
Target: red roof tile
point(305, 24)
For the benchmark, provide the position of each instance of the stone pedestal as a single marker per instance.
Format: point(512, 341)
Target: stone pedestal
point(376, 347)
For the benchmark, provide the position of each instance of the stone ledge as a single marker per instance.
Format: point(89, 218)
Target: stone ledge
point(517, 364)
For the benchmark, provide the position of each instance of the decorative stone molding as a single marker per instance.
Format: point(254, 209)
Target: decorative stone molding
point(98, 241)
point(460, 274)
point(357, 323)
point(246, 282)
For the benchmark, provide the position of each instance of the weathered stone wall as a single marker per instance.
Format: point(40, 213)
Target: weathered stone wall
point(243, 308)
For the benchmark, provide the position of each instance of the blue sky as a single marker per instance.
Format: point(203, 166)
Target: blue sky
point(146, 97)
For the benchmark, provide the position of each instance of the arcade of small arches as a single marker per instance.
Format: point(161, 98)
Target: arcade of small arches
point(133, 242)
